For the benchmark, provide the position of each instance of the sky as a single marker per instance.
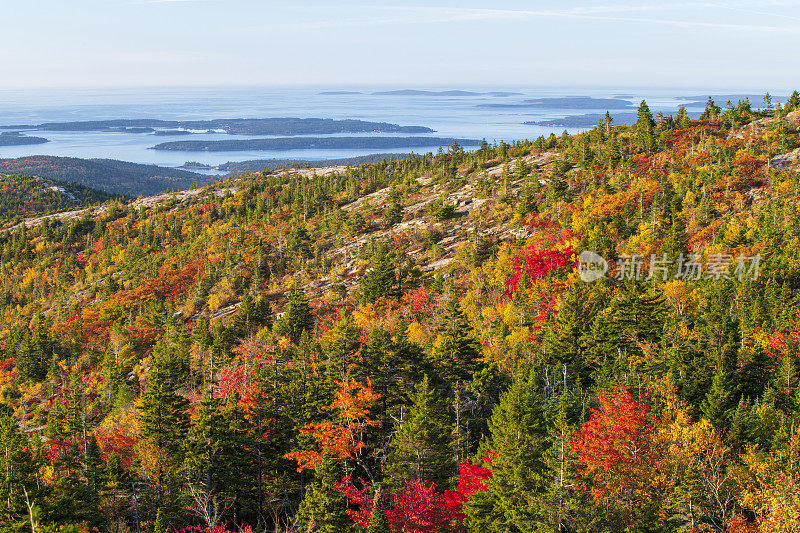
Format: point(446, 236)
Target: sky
point(433, 43)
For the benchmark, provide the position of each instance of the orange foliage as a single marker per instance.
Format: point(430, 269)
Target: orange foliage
point(343, 437)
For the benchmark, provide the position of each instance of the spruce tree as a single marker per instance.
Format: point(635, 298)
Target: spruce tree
point(297, 317)
point(163, 411)
point(457, 353)
point(381, 281)
point(513, 500)
point(18, 472)
point(421, 448)
point(323, 509)
point(645, 128)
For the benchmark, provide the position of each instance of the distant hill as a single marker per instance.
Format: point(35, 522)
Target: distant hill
point(109, 175)
point(305, 143)
point(238, 167)
point(23, 196)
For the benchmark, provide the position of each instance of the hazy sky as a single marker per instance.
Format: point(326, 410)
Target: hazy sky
point(85, 43)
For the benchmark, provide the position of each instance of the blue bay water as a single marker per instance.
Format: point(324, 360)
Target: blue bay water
point(450, 116)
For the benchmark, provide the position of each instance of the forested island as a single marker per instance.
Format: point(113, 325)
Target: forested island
point(307, 143)
point(417, 92)
point(15, 138)
point(568, 102)
point(236, 167)
point(236, 126)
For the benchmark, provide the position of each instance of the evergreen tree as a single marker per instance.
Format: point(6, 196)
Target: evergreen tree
point(378, 522)
point(163, 410)
point(682, 119)
point(645, 128)
point(513, 500)
point(204, 462)
point(421, 448)
point(381, 281)
point(793, 102)
point(323, 508)
point(456, 353)
point(297, 318)
point(17, 473)
point(711, 111)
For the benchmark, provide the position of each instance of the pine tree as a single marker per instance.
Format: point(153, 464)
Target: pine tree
point(18, 472)
point(323, 509)
point(513, 501)
point(569, 340)
point(457, 353)
point(717, 401)
point(562, 504)
point(645, 128)
point(381, 281)
point(203, 462)
point(163, 411)
point(711, 111)
point(297, 317)
point(421, 448)
point(682, 119)
point(793, 102)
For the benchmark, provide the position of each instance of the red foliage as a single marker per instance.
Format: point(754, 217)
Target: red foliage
point(418, 508)
point(614, 445)
point(420, 300)
point(215, 529)
point(781, 341)
point(749, 168)
point(539, 264)
point(536, 221)
point(116, 441)
point(358, 500)
point(472, 479)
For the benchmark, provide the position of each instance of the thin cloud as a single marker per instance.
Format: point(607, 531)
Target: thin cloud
point(436, 15)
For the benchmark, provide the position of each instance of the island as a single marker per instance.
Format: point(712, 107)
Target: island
point(236, 126)
point(15, 138)
point(568, 102)
point(310, 143)
point(586, 120)
point(417, 92)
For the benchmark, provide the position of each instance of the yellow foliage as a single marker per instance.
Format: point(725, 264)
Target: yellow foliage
point(417, 334)
point(220, 295)
point(772, 491)
point(677, 294)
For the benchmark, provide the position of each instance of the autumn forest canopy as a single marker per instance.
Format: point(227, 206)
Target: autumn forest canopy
point(413, 345)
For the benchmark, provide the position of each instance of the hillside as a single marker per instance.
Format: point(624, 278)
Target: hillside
point(23, 196)
point(425, 344)
point(109, 175)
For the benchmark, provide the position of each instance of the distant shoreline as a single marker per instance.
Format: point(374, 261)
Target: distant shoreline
point(308, 143)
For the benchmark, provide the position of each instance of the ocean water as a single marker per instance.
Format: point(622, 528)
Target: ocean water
point(450, 116)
